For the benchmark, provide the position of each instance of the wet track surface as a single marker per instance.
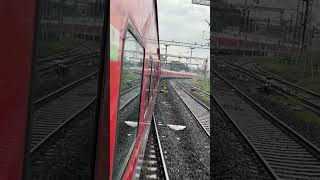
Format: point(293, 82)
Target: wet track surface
point(186, 146)
point(281, 150)
point(67, 155)
point(200, 111)
point(295, 114)
point(154, 166)
point(129, 96)
point(309, 98)
point(304, 94)
point(231, 157)
point(52, 114)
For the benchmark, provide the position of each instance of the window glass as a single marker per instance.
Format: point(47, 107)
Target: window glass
point(128, 115)
point(148, 86)
point(154, 76)
point(65, 88)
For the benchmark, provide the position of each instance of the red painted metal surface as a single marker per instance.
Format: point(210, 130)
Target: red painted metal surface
point(175, 74)
point(237, 43)
point(16, 47)
point(142, 14)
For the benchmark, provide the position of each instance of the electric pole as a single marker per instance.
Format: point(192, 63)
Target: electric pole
point(166, 45)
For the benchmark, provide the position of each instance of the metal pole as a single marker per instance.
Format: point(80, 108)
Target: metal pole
point(299, 37)
point(295, 32)
point(191, 53)
point(166, 55)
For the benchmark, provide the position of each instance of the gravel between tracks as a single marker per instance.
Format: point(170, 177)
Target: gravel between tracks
point(186, 151)
point(231, 157)
point(309, 129)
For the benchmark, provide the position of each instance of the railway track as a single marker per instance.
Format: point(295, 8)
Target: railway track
point(199, 89)
point(61, 55)
point(294, 89)
point(52, 112)
point(154, 166)
point(130, 88)
point(128, 96)
point(309, 99)
point(47, 65)
point(199, 110)
point(284, 153)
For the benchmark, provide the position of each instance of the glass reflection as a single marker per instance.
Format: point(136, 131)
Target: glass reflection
point(148, 86)
point(128, 116)
point(65, 85)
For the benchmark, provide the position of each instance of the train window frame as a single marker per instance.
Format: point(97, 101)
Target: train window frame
point(154, 77)
point(149, 77)
point(131, 29)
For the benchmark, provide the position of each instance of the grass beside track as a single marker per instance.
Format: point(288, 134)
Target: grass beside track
point(293, 73)
point(203, 83)
point(298, 110)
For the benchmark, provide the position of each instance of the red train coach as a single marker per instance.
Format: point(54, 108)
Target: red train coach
point(55, 121)
point(232, 44)
point(55, 105)
point(135, 72)
point(167, 74)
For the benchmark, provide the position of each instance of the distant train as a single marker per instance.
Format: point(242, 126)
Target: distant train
point(167, 74)
point(240, 45)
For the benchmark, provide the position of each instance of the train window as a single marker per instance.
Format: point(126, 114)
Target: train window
point(148, 85)
point(65, 87)
point(154, 76)
point(130, 90)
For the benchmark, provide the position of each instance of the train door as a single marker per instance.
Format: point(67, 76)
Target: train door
point(68, 65)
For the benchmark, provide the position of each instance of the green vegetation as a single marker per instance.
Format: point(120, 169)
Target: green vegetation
point(299, 111)
point(52, 47)
point(129, 76)
point(299, 74)
point(177, 66)
point(203, 83)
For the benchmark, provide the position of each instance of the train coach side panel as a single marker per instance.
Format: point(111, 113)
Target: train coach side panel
point(142, 15)
point(16, 34)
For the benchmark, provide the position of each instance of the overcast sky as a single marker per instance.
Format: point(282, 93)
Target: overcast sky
point(180, 20)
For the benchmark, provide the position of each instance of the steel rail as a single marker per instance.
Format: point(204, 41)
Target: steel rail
point(253, 148)
point(305, 143)
point(130, 89)
point(63, 54)
point(128, 102)
point(192, 113)
point(70, 60)
point(193, 97)
point(164, 167)
point(306, 103)
point(273, 76)
point(199, 89)
point(62, 90)
point(67, 121)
